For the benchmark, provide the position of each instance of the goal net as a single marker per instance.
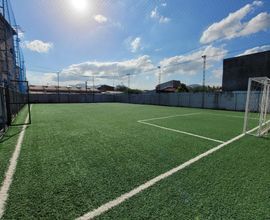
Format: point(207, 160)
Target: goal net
point(257, 114)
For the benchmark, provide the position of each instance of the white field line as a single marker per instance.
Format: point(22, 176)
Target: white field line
point(11, 169)
point(231, 116)
point(113, 203)
point(181, 132)
point(171, 116)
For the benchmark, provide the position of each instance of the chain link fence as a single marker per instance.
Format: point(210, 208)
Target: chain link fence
point(12, 100)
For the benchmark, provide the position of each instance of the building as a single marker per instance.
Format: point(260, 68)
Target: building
point(12, 67)
point(38, 89)
point(170, 86)
point(105, 88)
point(237, 70)
point(8, 68)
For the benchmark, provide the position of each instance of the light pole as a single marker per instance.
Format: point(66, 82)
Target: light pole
point(204, 68)
point(58, 85)
point(93, 89)
point(159, 82)
point(86, 86)
point(159, 78)
point(114, 77)
point(128, 88)
point(128, 75)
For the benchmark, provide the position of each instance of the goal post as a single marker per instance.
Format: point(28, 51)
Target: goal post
point(257, 112)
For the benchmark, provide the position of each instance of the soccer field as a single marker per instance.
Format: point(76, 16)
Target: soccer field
point(124, 161)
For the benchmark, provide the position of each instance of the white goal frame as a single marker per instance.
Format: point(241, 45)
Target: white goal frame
point(263, 125)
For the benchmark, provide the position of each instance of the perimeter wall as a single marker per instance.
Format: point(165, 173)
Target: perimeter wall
point(221, 100)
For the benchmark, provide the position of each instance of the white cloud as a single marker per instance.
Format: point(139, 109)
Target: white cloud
point(38, 46)
point(185, 65)
point(105, 72)
point(233, 26)
point(20, 34)
point(100, 19)
point(154, 13)
point(256, 50)
point(191, 64)
point(217, 73)
point(77, 72)
point(259, 23)
point(164, 4)
point(117, 24)
point(36, 78)
point(161, 19)
point(164, 20)
point(135, 45)
point(258, 3)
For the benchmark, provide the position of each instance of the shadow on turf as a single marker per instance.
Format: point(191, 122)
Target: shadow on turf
point(266, 137)
point(5, 137)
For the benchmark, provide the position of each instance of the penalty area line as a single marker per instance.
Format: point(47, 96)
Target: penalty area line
point(230, 116)
point(181, 132)
point(171, 116)
point(11, 169)
point(113, 203)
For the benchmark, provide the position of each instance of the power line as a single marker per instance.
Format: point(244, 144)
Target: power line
point(113, 76)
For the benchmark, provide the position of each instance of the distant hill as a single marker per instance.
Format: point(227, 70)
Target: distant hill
point(194, 86)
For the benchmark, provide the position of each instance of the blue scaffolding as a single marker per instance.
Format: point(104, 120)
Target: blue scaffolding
point(18, 72)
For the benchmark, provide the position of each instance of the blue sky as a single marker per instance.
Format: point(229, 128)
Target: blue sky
point(114, 38)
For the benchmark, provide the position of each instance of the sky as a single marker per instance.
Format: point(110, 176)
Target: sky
point(113, 38)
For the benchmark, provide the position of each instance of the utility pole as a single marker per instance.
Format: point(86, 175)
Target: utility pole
point(159, 78)
point(86, 86)
point(204, 68)
point(128, 80)
point(58, 84)
point(159, 87)
point(128, 75)
point(93, 88)
point(114, 77)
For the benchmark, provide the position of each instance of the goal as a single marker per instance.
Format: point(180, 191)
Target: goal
point(257, 114)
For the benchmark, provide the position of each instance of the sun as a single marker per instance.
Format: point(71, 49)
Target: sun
point(79, 5)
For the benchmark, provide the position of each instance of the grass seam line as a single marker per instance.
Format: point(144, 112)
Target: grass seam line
point(181, 132)
point(11, 169)
point(171, 116)
point(113, 203)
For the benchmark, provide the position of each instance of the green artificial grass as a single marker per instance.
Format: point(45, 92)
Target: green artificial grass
point(8, 143)
point(76, 157)
point(208, 125)
point(233, 183)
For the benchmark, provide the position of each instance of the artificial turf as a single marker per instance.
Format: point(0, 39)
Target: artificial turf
point(8, 142)
point(208, 125)
point(230, 184)
point(76, 157)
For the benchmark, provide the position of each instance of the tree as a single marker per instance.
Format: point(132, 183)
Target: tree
point(182, 88)
point(125, 89)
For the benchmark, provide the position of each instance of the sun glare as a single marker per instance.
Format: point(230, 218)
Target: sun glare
point(79, 5)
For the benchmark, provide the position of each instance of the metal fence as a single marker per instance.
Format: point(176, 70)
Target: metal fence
point(11, 102)
point(220, 100)
point(3, 109)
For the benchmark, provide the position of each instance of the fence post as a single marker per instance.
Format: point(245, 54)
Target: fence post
point(9, 115)
point(235, 108)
